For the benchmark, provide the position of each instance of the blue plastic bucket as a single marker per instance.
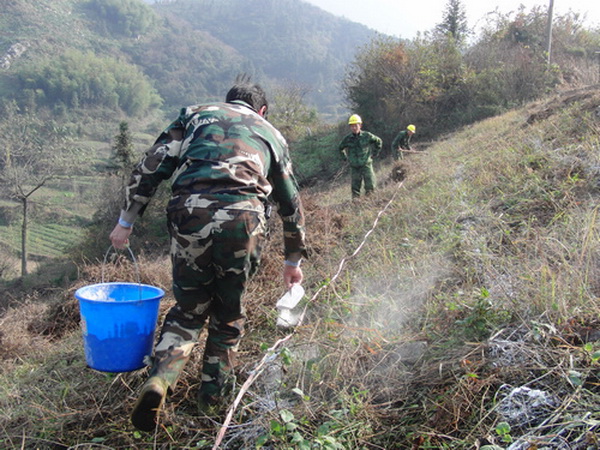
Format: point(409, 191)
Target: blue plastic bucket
point(118, 321)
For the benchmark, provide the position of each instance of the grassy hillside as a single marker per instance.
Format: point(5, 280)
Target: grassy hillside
point(436, 311)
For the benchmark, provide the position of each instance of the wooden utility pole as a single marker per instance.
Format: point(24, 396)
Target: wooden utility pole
point(549, 32)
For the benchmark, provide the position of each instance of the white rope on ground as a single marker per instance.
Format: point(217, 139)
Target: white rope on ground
point(270, 352)
point(416, 152)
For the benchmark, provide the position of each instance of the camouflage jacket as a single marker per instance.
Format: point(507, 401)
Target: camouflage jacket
point(360, 148)
point(221, 153)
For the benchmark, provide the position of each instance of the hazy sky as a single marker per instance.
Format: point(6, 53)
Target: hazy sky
point(405, 18)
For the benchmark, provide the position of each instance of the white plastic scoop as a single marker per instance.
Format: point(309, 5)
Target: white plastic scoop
point(287, 318)
point(291, 298)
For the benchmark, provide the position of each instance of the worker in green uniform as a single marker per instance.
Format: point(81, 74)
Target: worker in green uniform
point(402, 141)
point(359, 148)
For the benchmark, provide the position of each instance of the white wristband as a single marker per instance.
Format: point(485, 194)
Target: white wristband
point(292, 263)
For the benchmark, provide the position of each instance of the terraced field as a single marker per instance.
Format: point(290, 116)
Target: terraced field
point(63, 209)
point(49, 240)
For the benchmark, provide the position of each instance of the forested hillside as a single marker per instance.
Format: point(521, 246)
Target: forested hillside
point(286, 40)
point(133, 56)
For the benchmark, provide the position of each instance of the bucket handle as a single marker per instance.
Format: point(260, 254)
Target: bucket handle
point(135, 264)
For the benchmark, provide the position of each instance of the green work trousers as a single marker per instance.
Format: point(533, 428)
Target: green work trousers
point(362, 173)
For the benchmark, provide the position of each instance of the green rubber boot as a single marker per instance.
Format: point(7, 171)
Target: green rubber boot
point(152, 396)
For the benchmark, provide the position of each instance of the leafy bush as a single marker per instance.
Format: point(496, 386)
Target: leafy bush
point(438, 80)
point(81, 79)
point(130, 18)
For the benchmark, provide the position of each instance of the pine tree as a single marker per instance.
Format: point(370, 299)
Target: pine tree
point(454, 22)
point(123, 148)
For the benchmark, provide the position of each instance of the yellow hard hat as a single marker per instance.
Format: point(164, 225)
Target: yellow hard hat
point(354, 118)
point(411, 128)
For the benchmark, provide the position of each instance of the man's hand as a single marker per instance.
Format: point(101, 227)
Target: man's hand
point(120, 236)
point(292, 275)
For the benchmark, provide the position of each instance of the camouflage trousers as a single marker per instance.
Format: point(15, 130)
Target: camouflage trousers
point(215, 249)
point(360, 173)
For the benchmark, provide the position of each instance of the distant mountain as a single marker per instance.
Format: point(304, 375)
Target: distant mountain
point(189, 50)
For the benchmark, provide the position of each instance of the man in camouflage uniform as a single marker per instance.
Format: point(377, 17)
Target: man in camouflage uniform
point(225, 159)
point(358, 148)
point(402, 141)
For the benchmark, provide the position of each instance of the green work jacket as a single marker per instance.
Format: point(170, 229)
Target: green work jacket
point(359, 149)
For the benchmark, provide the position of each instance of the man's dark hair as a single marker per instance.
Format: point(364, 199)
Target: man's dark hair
point(251, 93)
